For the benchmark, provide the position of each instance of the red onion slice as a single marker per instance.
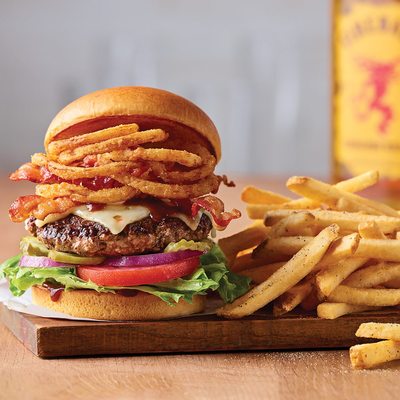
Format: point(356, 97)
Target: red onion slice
point(149, 259)
point(41, 262)
point(145, 260)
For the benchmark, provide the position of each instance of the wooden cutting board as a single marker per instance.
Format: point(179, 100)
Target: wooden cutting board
point(61, 338)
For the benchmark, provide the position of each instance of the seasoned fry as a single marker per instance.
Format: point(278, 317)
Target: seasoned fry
point(255, 195)
point(260, 274)
point(340, 249)
point(259, 204)
point(359, 182)
point(292, 225)
point(278, 249)
point(370, 230)
point(385, 250)
point(363, 356)
point(331, 277)
point(284, 278)
point(329, 194)
point(298, 204)
point(346, 205)
point(292, 298)
point(336, 310)
point(246, 261)
point(376, 330)
point(346, 220)
point(243, 240)
point(373, 275)
point(365, 296)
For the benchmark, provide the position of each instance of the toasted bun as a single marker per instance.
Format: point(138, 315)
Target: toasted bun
point(110, 306)
point(148, 107)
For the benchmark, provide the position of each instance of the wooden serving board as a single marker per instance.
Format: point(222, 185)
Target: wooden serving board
point(61, 338)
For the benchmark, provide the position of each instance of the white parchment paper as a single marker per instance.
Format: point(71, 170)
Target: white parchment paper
point(24, 304)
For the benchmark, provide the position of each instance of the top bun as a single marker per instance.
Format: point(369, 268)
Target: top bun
point(148, 107)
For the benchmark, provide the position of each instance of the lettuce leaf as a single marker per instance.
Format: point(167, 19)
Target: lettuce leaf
point(212, 274)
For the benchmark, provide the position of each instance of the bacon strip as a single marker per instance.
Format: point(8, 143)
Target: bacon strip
point(216, 208)
point(39, 207)
point(34, 173)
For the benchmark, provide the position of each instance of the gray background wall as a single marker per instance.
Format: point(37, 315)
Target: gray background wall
point(259, 68)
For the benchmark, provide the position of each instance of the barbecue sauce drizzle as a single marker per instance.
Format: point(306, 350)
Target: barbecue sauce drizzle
point(54, 289)
point(160, 209)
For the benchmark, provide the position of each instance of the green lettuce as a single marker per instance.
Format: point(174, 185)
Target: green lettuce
point(212, 275)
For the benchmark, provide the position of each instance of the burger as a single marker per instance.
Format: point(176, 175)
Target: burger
point(119, 225)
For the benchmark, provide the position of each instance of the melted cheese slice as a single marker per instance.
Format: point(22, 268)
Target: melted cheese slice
point(116, 217)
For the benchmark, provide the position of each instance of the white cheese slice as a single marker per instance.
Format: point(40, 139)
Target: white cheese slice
point(52, 218)
point(117, 216)
point(192, 223)
point(114, 217)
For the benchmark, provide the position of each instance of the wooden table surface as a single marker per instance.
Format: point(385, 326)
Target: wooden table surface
point(267, 375)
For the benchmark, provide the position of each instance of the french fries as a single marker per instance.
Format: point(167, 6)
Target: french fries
point(355, 268)
point(370, 230)
point(299, 266)
point(365, 296)
point(292, 225)
point(292, 298)
point(330, 278)
point(261, 274)
point(374, 275)
point(370, 355)
point(330, 194)
point(387, 250)
point(336, 310)
point(340, 250)
point(373, 354)
point(255, 195)
point(331, 251)
point(279, 249)
point(250, 237)
point(376, 330)
point(348, 221)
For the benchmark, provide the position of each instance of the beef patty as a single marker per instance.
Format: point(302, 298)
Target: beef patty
point(74, 234)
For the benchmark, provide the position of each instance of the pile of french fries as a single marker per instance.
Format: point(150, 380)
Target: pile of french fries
point(329, 250)
point(370, 355)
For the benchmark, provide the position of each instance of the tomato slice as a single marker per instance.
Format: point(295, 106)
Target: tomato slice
point(133, 276)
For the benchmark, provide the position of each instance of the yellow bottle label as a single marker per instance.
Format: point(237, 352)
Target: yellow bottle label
point(367, 86)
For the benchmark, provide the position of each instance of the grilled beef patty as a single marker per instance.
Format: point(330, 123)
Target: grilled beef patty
point(74, 234)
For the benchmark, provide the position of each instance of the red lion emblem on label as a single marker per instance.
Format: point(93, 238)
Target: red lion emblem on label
point(371, 95)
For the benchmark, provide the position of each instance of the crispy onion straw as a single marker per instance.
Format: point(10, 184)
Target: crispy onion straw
point(84, 195)
point(69, 173)
point(168, 167)
point(182, 157)
point(107, 196)
point(172, 191)
point(59, 146)
point(117, 143)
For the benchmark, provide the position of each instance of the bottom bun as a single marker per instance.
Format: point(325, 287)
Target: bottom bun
point(116, 307)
